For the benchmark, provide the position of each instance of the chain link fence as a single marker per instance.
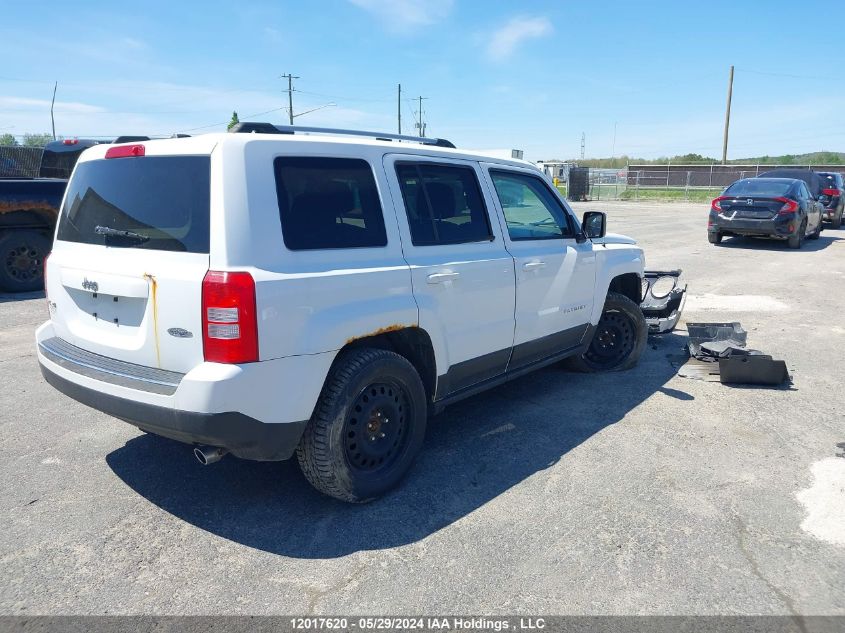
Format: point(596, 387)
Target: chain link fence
point(20, 162)
point(692, 183)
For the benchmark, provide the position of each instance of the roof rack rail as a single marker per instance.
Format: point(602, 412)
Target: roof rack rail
point(246, 127)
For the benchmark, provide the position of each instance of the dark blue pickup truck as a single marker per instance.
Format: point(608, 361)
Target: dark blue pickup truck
point(31, 192)
point(29, 206)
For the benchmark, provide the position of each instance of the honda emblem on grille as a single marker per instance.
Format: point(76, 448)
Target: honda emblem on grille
point(179, 332)
point(749, 202)
point(93, 286)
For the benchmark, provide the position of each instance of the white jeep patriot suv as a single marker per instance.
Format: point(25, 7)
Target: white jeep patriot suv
point(321, 292)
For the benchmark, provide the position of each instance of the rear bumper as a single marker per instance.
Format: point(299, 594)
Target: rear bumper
point(240, 434)
point(256, 410)
point(745, 226)
point(830, 213)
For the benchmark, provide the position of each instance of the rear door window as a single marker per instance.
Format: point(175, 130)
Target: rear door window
point(328, 203)
point(151, 202)
point(444, 204)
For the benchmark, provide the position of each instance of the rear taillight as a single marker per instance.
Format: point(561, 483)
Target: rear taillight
point(229, 322)
point(125, 151)
point(789, 206)
point(716, 205)
point(832, 192)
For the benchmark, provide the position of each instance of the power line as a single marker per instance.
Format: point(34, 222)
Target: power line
point(248, 116)
point(771, 74)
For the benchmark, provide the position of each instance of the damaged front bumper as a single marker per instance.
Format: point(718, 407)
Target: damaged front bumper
point(663, 297)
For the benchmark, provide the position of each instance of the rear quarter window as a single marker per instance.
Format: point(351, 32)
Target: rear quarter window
point(162, 199)
point(328, 203)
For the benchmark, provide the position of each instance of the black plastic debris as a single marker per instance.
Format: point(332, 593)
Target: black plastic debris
point(722, 345)
point(700, 333)
point(752, 369)
point(663, 297)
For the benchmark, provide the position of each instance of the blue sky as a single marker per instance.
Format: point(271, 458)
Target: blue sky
point(497, 74)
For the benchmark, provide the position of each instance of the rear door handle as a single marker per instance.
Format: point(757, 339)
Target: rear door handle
point(533, 265)
point(439, 278)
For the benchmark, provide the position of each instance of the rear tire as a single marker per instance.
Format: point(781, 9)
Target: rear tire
point(797, 240)
point(619, 339)
point(367, 427)
point(714, 238)
point(22, 256)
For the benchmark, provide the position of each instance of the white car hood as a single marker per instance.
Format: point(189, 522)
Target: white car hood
point(615, 238)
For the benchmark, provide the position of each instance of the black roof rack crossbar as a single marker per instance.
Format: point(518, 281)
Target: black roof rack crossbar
point(269, 128)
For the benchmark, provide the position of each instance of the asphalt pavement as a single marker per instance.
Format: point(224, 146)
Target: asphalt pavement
point(637, 492)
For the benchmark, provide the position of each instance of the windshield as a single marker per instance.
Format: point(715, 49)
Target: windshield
point(154, 202)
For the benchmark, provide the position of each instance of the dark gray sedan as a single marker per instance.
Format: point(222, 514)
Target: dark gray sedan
point(779, 208)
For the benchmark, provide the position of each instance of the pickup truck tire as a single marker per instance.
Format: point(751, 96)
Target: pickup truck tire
point(619, 339)
point(22, 256)
point(367, 427)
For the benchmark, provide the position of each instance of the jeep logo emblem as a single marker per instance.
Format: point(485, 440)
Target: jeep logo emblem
point(93, 286)
point(179, 332)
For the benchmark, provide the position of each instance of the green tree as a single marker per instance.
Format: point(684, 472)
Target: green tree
point(36, 140)
point(7, 139)
point(235, 120)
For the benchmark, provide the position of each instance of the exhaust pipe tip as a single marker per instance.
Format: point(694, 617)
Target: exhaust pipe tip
point(209, 454)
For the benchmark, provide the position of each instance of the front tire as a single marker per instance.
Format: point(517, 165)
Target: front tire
point(367, 427)
point(22, 256)
point(619, 339)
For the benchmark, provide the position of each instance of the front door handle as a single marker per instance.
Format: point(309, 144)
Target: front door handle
point(439, 278)
point(533, 265)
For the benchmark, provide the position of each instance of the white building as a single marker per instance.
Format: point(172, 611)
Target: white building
point(555, 169)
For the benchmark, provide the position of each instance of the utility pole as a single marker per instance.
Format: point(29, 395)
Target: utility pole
point(728, 118)
point(399, 109)
point(290, 79)
point(613, 150)
point(420, 124)
point(52, 103)
point(583, 144)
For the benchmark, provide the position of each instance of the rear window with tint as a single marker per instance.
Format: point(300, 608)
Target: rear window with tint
point(759, 187)
point(830, 181)
point(162, 201)
point(328, 203)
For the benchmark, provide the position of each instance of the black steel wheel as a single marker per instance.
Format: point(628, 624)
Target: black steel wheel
point(375, 435)
point(367, 427)
point(613, 341)
point(619, 338)
point(22, 256)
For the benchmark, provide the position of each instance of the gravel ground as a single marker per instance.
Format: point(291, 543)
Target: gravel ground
point(640, 492)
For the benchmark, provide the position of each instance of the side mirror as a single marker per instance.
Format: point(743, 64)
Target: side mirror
point(594, 224)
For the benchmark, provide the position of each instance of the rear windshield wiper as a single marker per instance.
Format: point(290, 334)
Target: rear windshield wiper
point(107, 230)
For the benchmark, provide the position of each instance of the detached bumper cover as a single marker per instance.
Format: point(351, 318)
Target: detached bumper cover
point(663, 312)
